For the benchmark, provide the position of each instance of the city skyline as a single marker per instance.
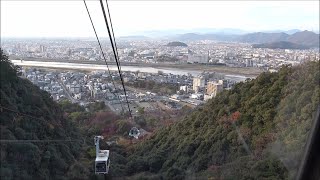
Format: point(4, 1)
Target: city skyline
point(70, 19)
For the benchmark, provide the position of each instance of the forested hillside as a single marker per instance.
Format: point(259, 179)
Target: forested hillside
point(257, 130)
point(34, 133)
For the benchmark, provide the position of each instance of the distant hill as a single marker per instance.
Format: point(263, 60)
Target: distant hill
point(306, 38)
point(173, 33)
point(211, 36)
point(189, 37)
point(280, 45)
point(261, 37)
point(298, 40)
point(177, 43)
point(302, 39)
point(290, 32)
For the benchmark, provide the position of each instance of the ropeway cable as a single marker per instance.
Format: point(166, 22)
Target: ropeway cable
point(115, 55)
point(103, 55)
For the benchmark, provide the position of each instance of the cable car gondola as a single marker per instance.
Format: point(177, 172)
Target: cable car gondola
point(102, 162)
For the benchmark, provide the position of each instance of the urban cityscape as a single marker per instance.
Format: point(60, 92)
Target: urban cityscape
point(231, 54)
point(190, 89)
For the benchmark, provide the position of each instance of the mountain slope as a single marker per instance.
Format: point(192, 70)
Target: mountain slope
point(209, 36)
point(292, 31)
point(260, 37)
point(298, 40)
point(306, 38)
point(35, 117)
point(280, 45)
point(254, 131)
point(189, 37)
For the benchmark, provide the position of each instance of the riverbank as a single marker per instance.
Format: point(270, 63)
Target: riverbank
point(245, 71)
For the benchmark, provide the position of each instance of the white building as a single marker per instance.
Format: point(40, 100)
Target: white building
point(184, 88)
point(198, 58)
point(197, 96)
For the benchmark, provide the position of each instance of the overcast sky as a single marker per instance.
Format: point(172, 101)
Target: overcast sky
point(70, 19)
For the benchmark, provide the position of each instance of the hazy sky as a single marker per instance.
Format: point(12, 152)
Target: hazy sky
point(69, 18)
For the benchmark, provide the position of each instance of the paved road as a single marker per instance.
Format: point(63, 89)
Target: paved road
point(67, 92)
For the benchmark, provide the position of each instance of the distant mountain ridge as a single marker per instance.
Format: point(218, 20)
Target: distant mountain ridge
point(261, 37)
point(280, 45)
point(290, 32)
point(220, 31)
point(304, 39)
point(307, 38)
point(298, 40)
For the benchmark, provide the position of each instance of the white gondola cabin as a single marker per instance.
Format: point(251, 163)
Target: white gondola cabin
point(102, 161)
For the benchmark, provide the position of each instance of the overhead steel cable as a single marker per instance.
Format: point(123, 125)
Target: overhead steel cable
point(114, 39)
point(103, 55)
point(115, 54)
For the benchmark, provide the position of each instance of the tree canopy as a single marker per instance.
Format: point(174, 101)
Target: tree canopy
point(257, 130)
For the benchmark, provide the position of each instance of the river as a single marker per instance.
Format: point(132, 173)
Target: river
point(64, 65)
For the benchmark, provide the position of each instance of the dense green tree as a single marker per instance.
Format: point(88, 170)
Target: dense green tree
point(32, 117)
point(241, 133)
